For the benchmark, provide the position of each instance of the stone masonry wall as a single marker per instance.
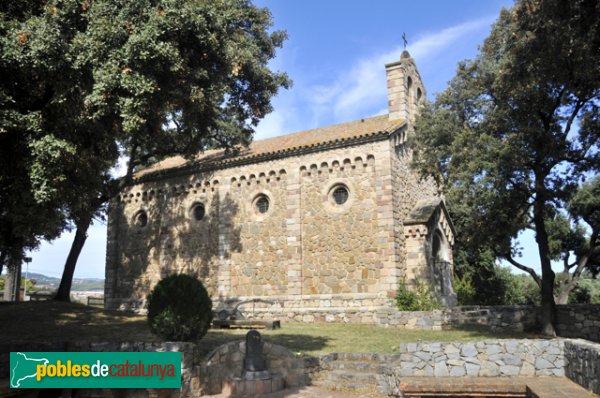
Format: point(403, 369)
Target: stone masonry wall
point(260, 240)
point(304, 253)
point(572, 320)
point(483, 358)
point(415, 252)
point(138, 257)
point(579, 321)
point(583, 363)
point(340, 244)
point(408, 189)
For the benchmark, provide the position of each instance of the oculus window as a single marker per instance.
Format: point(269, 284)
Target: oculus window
point(261, 204)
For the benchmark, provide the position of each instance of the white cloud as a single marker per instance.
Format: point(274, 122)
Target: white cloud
point(365, 84)
point(355, 92)
point(272, 125)
point(429, 44)
point(359, 90)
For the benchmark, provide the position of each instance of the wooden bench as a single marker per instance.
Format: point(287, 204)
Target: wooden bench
point(247, 323)
point(94, 301)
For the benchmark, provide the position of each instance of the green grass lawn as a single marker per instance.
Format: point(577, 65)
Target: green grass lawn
point(53, 321)
point(323, 338)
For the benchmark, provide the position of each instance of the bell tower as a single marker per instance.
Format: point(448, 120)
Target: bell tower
point(405, 88)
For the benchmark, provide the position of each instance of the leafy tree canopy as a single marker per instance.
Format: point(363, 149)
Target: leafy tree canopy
point(86, 81)
point(514, 138)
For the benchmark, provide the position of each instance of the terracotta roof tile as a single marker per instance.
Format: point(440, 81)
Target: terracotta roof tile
point(303, 139)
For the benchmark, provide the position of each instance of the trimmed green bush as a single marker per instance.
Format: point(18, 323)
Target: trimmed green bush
point(179, 308)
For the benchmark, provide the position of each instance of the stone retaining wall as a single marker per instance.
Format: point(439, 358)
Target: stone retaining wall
point(573, 321)
point(576, 359)
point(483, 358)
point(579, 321)
point(579, 360)
point(583, 363)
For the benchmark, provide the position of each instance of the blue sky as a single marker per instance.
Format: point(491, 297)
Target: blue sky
point(335, 54)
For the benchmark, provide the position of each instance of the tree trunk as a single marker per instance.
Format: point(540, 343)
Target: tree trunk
point(2, 259)
point(563, 294)
point(18, 280)
point(13, 279)
point(571, 281)
point(548, 306)
point(567, 285)
point(64, 290)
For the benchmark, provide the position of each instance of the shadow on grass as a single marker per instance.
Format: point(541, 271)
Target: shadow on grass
point(35, 322)
point(299, 342)
point(293, 342)
point(59, 321)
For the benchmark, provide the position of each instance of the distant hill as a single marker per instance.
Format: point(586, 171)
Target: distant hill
point(79, 284)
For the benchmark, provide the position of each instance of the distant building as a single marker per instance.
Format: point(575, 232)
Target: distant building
point(319, 222)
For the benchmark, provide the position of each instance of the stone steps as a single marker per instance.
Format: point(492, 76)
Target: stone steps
point(374, 367)
point(351, 376)
point(332, 385)
point(352, 371)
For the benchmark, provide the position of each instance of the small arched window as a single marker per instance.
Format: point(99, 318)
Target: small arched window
point(198, 211)
point(140, 219)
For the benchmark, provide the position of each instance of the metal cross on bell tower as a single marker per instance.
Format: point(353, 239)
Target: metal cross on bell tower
point(404, 39)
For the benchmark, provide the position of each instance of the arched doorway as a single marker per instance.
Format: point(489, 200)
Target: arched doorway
point(442, 267)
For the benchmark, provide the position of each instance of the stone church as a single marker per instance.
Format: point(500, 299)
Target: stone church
point(322, 224)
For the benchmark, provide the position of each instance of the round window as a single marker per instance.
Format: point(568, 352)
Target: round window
point(198, 211)
point(340, 195)
point(261, 204)
point(141, 219)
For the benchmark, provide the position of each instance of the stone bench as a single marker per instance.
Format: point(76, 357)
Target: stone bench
point(247, 323)
point(93, 301)
point(521, 387)
point(41, 296)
